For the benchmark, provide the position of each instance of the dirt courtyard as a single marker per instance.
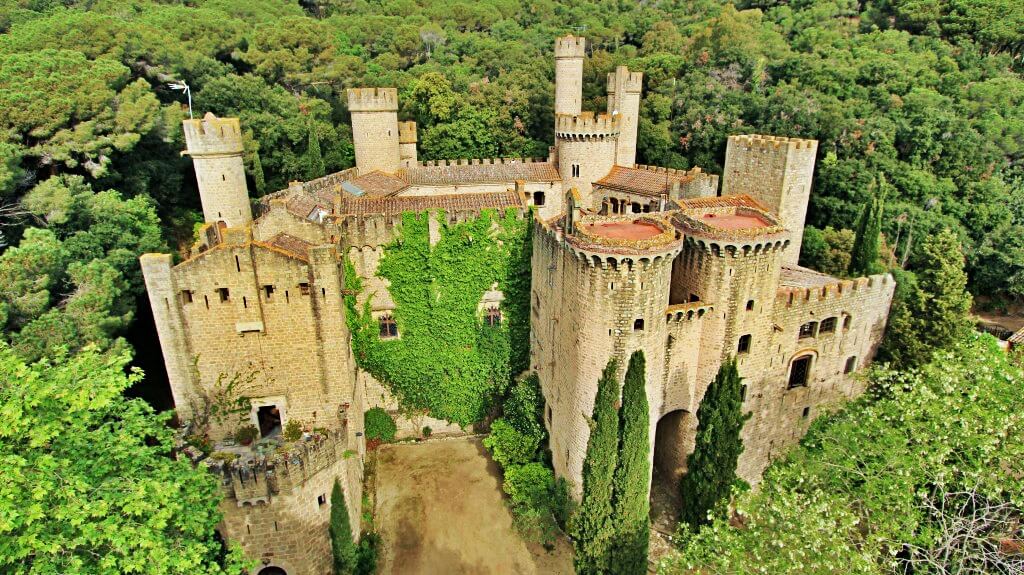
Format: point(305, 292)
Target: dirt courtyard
point(439, 510)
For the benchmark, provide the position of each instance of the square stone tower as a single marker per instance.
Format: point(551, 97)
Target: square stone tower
point(375, 129)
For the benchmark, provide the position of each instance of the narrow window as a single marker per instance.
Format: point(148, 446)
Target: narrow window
point(575, 170)
point(323, 292)
point(851, 364)
point(388, 327)
point(750, 305)
point(743, 393)
point(245, 302)
point(186, 296)
point(224, 294)
point(268, 292)
point(807, 411)
point(321, 499)
point(744, 346)
point(846, 322)
point(493, 317)
point(638, 324)
point(800, 371)
point(809, 329)
point(238, 264)
point(304, 288)
point(223, 178)
point(207, 300)
point(538, 198)
point(286, 298)
point(548, 409)
point(828, 325)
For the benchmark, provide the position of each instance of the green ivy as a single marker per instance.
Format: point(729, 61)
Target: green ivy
point(446, 360)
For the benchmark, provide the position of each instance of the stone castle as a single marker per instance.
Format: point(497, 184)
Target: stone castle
point(625, 257)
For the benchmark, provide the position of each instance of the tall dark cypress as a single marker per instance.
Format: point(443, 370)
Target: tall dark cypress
point(632, 476)
point(864, 257)
point(314, 159)
point(340, 529)
point(592, 527)
point(259, 178)
point(711, 468)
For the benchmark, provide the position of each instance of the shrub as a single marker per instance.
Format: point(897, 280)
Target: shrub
point(510, 447)
point(292, 430)
point(366, 553)
point(342, 546)
point(427, 431)
point(379, 425)
point(246, 434)
point(524, 406)
point(529, 483)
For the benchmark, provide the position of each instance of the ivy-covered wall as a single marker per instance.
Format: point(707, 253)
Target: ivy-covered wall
point(447, 360)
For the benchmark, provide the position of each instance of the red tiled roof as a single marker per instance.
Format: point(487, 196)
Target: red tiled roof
point(377, 183)
point(394, 205)
point(737, 201)
point(641, 181)
point(480, 173)
point(291, 245)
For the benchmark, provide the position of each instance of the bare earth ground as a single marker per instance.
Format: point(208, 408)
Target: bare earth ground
point(439, 510)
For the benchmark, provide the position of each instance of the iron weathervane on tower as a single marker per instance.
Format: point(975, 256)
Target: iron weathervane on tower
point(183, 87)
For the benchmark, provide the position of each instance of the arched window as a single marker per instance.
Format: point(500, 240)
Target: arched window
point(800, 371)
point(828, 325)
point(744, 346)
point(388, 327)
point(493, 317)
point(750, 305)
point(846, 322)
point(809, 329)
point(272, 571)
point(638, 324)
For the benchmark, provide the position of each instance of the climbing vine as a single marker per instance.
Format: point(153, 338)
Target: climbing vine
point(447, 360)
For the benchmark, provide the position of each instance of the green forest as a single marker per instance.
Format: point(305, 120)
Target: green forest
point(919, 102)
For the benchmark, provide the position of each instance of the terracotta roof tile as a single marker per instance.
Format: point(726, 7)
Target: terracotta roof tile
point(1017, 337)
point(292, 245)
point(737, 201)
point(377, 183)
point(394, 205)
point(642, 181)
point(801, 277)
point(480, 173)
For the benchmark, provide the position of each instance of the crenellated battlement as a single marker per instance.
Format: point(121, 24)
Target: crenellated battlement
point(692, 172)
point(790, 296)
point(373, 99)
point(479, 162)
point(212, 136)
point(570, 47)
point(631, 82)
point(407, 133)
point(764, 142)
point(586, 126)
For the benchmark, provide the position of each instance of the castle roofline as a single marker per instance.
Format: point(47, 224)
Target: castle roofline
point(593, 235)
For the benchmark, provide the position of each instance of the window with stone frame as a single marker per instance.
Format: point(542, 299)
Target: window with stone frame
point(828, 325)
point(809, 329)
point(538, 198)
point(744, 345)
point(388, 326)
point(492, 317)
point(800, 371)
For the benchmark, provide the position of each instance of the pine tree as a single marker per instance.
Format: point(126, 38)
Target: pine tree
point(632, 476)
point(342, 545)
point(711, 468)
point(257, 173)
point(592, 528)
point(865, 254)
point(315, 161)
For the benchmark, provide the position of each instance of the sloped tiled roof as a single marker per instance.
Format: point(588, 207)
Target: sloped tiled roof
point(801, 277)
point(641, 181)
point(376, 184)
point(394, 205)
point(1017, 338)
point(480, 173)
point(290, 245)
point(737, 201)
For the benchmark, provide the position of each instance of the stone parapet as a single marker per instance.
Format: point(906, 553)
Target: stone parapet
point(586, 126)
point(795, 297)
point(373, 100)
point(609, 251)
point(631, 81)
point(407, 133)
point(479, 162)
point(693, 223)
point(570, 47)
point(212, 136)
point(774, 142)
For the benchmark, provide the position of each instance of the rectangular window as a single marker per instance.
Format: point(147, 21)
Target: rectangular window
point(807, 411)
point(268, 292)
point(224, 294)
point(828, 325)
point(388, 327)
point(799, 372)
point(538, 198)
point(321, 499)
point(851, 364)
point(743, 393)
point(744, 346)
point(186, 296)
point(809, 329)
point(304, 288)
point(493, 317)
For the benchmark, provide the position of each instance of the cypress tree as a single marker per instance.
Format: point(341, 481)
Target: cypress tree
point(711, 468)
point(632, 476)
point(944, 307)
point(342, 545)
point(864, 256)
point(592, 529)
point(315, 161)
point(257, 173)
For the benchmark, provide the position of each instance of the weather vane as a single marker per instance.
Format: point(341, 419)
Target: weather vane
point(183, 87)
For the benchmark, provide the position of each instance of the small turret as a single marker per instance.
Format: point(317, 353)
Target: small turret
point(215, 145)
point(569, 53)
point(407, 143)
point(624, 101)
point(375, 128)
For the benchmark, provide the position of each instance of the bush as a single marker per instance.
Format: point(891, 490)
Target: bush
point(292, 430)
point(366, 553)
point(379, 425)
point(528, 483)
point(524, 406)
point(540, 503)
point(246, 434)
point(510, 447)
point(427, 431)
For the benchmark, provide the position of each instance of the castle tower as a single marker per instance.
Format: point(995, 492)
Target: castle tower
point(569, 52)
point(597, 296)
point(375, 128)
point(215, 145)
point(777, 172)
point(586, 150)
point(407, 143)
point(624, 102)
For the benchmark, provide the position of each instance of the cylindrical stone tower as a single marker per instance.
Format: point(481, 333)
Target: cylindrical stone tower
point(586, 150)
point(215, 145)
point(569, 53)
point(624, 102)
point(375, 128)
point(777, 172)
point(407, 143)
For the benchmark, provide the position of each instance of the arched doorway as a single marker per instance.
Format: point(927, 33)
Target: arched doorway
point(272, 571)
point(673, 442)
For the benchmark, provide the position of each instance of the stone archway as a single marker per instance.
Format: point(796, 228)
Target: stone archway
point(673, 442)
point(272, 571)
